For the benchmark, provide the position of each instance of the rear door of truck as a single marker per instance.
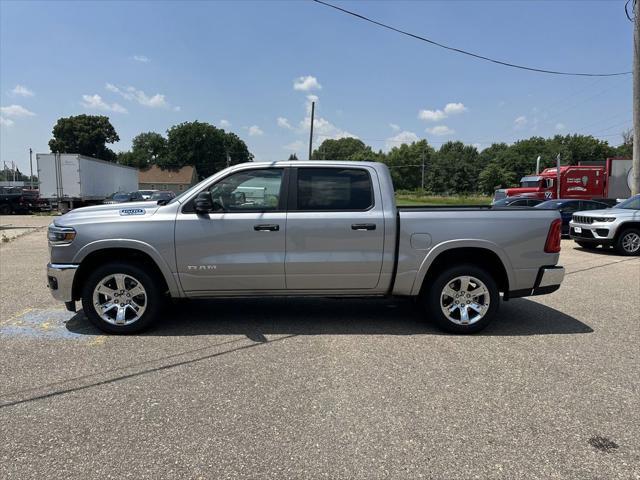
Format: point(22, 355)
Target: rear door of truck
point(335, 229)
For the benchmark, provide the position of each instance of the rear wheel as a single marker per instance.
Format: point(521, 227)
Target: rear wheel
point(462, 299)
point(587, 245)
point(121, 298)
point(628, 242)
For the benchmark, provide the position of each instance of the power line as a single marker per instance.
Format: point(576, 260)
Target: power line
point(465, 52)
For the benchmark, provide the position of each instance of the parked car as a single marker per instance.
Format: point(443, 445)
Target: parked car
point(567, 207)
point(617, 227)
point(517, 202)
point(123, 197)
point(318, 228)
point(163, 196)
point(147, 194)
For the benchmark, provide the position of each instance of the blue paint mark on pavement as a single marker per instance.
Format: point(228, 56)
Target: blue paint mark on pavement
point(50, 324)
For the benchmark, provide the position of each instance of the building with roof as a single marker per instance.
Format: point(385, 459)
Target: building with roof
point(176, 180)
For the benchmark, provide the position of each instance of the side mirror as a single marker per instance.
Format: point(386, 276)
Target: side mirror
point(203, 203)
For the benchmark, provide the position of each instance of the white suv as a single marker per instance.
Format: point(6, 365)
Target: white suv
point(618, 227)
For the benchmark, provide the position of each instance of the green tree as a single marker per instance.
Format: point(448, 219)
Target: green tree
point(84, 134)
point(626, 148)
point(494, 176)
point(341, 149)
point(455, 169)
point(204, 146)
point(405, 164)
point(149, 148)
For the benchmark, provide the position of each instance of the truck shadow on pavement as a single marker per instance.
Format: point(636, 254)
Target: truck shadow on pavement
point(258, 317)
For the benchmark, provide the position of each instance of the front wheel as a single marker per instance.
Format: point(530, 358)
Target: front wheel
point(462, 299)
point(121, 298)
point(629, 242)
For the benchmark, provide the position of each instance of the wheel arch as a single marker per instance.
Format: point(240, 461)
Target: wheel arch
point(635, 225)
point(481, 253)
point(99, 254)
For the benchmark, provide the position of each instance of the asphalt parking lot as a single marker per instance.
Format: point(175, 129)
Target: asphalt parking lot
point(322, 388)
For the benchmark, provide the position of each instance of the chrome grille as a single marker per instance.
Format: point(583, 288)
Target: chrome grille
point(582, 219)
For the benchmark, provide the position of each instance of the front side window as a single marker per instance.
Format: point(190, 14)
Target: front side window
point(333, 189)
point(249, 190)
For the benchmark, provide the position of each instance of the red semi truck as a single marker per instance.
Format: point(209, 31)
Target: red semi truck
point(607, 180)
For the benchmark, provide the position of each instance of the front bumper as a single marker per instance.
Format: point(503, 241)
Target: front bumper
point(597, 232)
point(60, 281)
point(547, 281)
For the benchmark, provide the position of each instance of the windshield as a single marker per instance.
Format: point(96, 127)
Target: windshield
point(188, 192)
point(528, 182)
point(161, 196)
point(632, 203)
point(121, 196)
point(550, 204)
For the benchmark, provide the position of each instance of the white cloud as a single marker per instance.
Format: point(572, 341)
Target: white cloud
point(394, 127)
point(225, 123)
point(402, 137)
point(520, 122)
point(7, 122)
point(560, 127)
point(22, 91)
point(95, 102)
point(141, 58)
point(294, 146)
point(284, 123)
point(16, 111)
point(133, 94)
point(255, 130)
point(431, 115)
point(454, 108)
point(440, 131)
point(306, 83)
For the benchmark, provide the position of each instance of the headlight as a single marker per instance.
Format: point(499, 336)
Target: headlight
point(60, 235)
point(603, 219)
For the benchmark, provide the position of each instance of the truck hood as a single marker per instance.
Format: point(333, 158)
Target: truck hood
point(608, 212)
point(113, 210)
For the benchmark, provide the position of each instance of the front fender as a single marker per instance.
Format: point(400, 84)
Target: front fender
point(143, 247)
point(463, 243)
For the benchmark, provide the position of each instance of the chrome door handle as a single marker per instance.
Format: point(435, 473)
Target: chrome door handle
point(266, 228)
point(363, 226)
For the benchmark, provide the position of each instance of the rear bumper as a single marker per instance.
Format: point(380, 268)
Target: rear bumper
point(60, 281)
point(548, 280)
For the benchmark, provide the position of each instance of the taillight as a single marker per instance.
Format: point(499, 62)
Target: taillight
point(552, 245)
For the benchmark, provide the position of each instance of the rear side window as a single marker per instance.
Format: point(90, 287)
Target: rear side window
point(333, 189)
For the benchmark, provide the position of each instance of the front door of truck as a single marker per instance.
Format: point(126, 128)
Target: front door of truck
point(335, 230)
point(240, 246)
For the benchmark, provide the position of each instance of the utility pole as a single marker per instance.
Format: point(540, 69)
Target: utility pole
point(423, 159)
point(313, 110)
point(31, 168)
point(558, 176)
point(635, 181)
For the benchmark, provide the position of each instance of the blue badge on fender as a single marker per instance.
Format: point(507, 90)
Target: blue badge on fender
point(132, 211)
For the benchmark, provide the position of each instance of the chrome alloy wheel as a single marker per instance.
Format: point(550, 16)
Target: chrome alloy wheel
point(631, 242)
point(119, 299)
point(465, 300)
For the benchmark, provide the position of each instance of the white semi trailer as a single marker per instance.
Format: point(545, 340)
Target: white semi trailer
point(69, 179)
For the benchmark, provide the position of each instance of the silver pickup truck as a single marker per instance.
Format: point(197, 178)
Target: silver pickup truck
point(324, 228)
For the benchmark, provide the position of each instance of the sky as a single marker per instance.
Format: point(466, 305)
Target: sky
point(254, 67)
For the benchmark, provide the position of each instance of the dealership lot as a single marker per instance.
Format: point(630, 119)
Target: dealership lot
point(322, 388)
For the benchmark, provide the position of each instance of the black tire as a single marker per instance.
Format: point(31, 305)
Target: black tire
point(587, 245)
point(432, 296)
point(622, 243)
point(155, 300)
